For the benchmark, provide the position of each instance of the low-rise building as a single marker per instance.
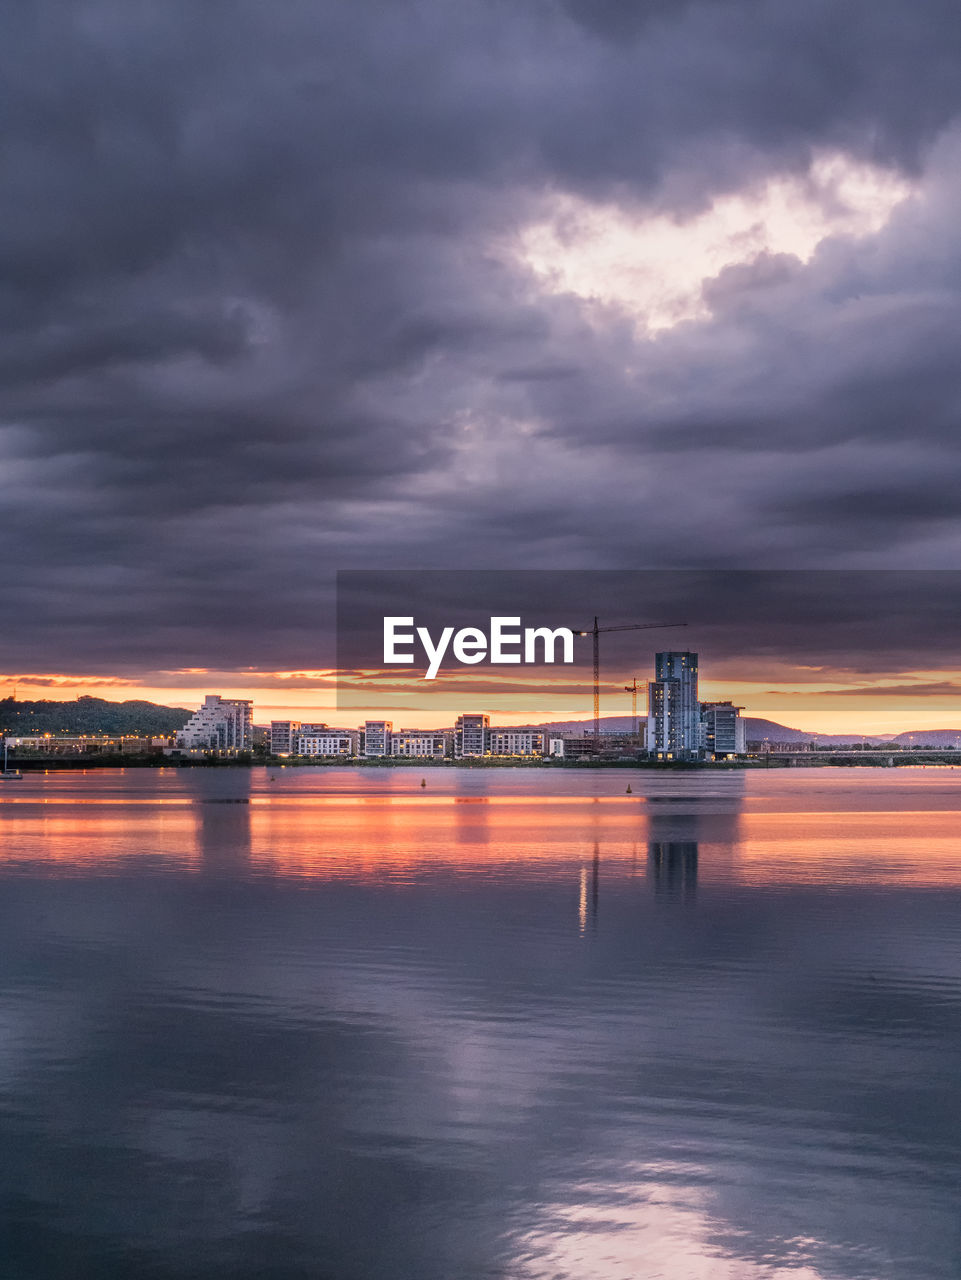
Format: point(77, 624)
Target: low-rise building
point(722, 729)
point(420, 743)
point(65, 744)
point(330, 742)
point(571, 748)
point(515, 742)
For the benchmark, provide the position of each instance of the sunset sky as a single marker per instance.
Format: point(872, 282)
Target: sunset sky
point(559, 285)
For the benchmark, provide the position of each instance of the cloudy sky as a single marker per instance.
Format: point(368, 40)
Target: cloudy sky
point(566, 284)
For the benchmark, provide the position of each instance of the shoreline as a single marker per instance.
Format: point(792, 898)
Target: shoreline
point(946, 759)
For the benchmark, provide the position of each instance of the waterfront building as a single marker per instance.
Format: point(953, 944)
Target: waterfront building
point(63, 744)
point(221, 724)
point(377, 735)
point(328, 742)
point(433, 743)
point(722, 729)
point(470, 735)
point(674, 713)
point(515, 742)
point(282, 734)
point(665, 736)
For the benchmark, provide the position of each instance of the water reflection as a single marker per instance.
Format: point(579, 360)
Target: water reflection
point(674, 868)
point(301, 1028)
point(676, 829)
point(472, 819)
point(590, 881)
point(222, 821)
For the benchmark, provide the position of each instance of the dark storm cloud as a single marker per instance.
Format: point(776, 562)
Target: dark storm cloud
point(830, 626)
point(260, 318)
point(936, 689)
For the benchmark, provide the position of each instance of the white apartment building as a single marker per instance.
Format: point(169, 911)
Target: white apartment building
point(722, 729)
point(377, 735)
point(419, 743)
point(331, 742)
point(470, 735)
point(515, 742)
point(221, 724)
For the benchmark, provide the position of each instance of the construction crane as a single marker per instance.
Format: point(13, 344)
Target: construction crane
point(597, 632)
point(632, 690)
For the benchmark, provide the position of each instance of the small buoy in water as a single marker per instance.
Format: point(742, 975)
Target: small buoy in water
point(629, 791)
point(423, 782)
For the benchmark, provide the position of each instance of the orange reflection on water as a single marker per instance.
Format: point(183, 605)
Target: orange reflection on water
point(399, 838)
point(910, 847)
point(402, 838)
point(98, 836)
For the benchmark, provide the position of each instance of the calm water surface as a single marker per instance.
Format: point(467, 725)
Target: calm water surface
point(328, 1023)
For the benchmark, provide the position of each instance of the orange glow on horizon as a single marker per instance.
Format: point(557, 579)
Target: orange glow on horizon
point(819, 702)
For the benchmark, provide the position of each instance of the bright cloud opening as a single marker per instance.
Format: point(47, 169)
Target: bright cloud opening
point(656, 266)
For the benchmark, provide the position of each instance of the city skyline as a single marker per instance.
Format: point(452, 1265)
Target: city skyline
point(908, 707)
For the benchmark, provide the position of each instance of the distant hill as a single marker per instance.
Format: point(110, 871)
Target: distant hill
point(929, 738)
point(757, 729)
point(90, 715)
point(760, 729)
point(754, 728)
point(609, 724)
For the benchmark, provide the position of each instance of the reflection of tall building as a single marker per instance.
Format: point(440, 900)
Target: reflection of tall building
point(673, 721)
point(673, 865)
point(222, 811)
point(590, 884)
point(682, 830)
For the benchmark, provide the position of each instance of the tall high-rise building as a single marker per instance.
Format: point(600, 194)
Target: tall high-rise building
point(674, 713)
point(470, 735)
point(221, 724)
point(664, 733)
